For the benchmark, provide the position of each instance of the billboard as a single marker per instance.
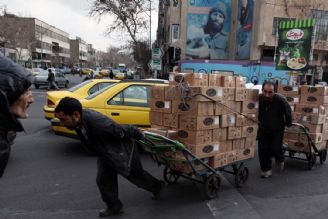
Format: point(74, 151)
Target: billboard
point(294, 44)
point(244, 28)
point(208, 29)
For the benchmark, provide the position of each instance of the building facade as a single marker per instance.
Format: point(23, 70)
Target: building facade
point(34, 43)
point(236, 36)
point(79, 52)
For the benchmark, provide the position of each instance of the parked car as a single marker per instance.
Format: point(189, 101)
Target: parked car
point(41, 79)
point(79, 91)
point(126, 102)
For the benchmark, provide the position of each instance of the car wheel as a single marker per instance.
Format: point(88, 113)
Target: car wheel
point(36, 86)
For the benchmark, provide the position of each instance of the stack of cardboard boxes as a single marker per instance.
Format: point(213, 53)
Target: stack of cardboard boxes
point(310, 108)
point(202, 112)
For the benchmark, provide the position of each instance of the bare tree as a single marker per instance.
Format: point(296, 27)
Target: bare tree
point(130, 16)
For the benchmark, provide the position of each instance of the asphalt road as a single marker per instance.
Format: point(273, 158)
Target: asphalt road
point(49, 176)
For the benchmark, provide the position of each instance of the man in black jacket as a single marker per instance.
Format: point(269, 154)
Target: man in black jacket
point(274, 115)
point(15, 98)
point(116, 150)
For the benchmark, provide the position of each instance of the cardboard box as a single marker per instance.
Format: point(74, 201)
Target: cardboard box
point(302, 137)
point(250, 142)
point(161, 105)
point(303, 146)
point(228, 81)
point(229, 93)
point(220, 160)
point(193, 108)
point(241, 94)
point(313, 128)
point(214, 80)
point(311, 109)
point(156, 118)
point(207, 93)
point(240, 81)
point(227, 107)
point(234, 132)
point(292, 100)
point(238, 144)
point(314, 119)
point(325, 135)
point(195, 137)
point(171, 134)
point(158, 92)
point(171, 120)
point(192, 79)
point(288, 90)
point(248, 131)
point(249, 107)
point(184, 166)
point(314, 90)
point(252, 94)
point(228, 120)
point(297, 117)
point(246, 119)
point(209, 149)
point(313, 100)
point(220, 134)
point(189, 122)
point(245, 154)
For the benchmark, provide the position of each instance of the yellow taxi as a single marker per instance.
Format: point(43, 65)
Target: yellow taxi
point(79, 91)
point(86, 71)
point(126, 102)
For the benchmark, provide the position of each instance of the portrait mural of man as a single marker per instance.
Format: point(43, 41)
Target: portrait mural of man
point(244, 30)
point(208, 29)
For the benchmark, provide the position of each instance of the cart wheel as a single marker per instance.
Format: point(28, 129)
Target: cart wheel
point(241, 175)
point(323, 156)
point(212, 186)
point(170, 176)
point(311, 160)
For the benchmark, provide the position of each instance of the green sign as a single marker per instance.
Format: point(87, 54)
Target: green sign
point(294, 44)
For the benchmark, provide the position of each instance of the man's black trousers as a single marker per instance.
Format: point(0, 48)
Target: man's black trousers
point(270, 146)
point(108, 185)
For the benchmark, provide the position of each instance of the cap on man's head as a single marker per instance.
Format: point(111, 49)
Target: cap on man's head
point(221, 8)
point(14, 79)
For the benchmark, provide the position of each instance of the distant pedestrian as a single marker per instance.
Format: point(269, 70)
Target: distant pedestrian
point(115, 147)
point(51, 80)
point(111, 74)
point(15, 98)
point(274, 115)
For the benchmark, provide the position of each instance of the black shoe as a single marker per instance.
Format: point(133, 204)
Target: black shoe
point(110, 212)
point(156, 195)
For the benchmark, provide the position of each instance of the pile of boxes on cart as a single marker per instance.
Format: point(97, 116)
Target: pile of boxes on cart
point(203, 111)
point(310, 108)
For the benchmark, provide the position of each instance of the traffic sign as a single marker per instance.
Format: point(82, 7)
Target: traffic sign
point(156, 64)
point(157, 53)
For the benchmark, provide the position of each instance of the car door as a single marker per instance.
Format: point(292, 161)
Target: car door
point(130, 106)
point(60, 79)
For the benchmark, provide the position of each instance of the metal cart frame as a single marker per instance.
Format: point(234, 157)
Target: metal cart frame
point(311, 155)
point(157, 145)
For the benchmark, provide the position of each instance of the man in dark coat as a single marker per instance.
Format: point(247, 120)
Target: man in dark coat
point(15, 98)
point(116, 150)
point(51, 80)
point(274, 115)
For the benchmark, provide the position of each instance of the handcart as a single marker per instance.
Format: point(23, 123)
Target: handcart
point(304, 145)
point(162, 149)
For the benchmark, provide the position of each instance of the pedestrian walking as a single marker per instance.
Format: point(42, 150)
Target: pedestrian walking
point(115, 147)
point(111, 74)
point(51, 80)
point(274, 115)
point(15, 98)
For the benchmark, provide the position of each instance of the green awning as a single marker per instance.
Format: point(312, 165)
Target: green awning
point(297, 24)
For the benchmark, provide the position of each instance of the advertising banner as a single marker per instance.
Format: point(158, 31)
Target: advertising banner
point(208, 29)
point(294, 44)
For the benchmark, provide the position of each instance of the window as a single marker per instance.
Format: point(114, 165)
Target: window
point(321, 18)
point(175, 32)
point(135, 95)
point(98, 87)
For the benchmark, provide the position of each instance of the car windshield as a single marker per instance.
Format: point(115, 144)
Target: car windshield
point(78, 86)
point(43, 73)
point(99, 92)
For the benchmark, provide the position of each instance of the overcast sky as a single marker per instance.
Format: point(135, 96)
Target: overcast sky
point(72, 17)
